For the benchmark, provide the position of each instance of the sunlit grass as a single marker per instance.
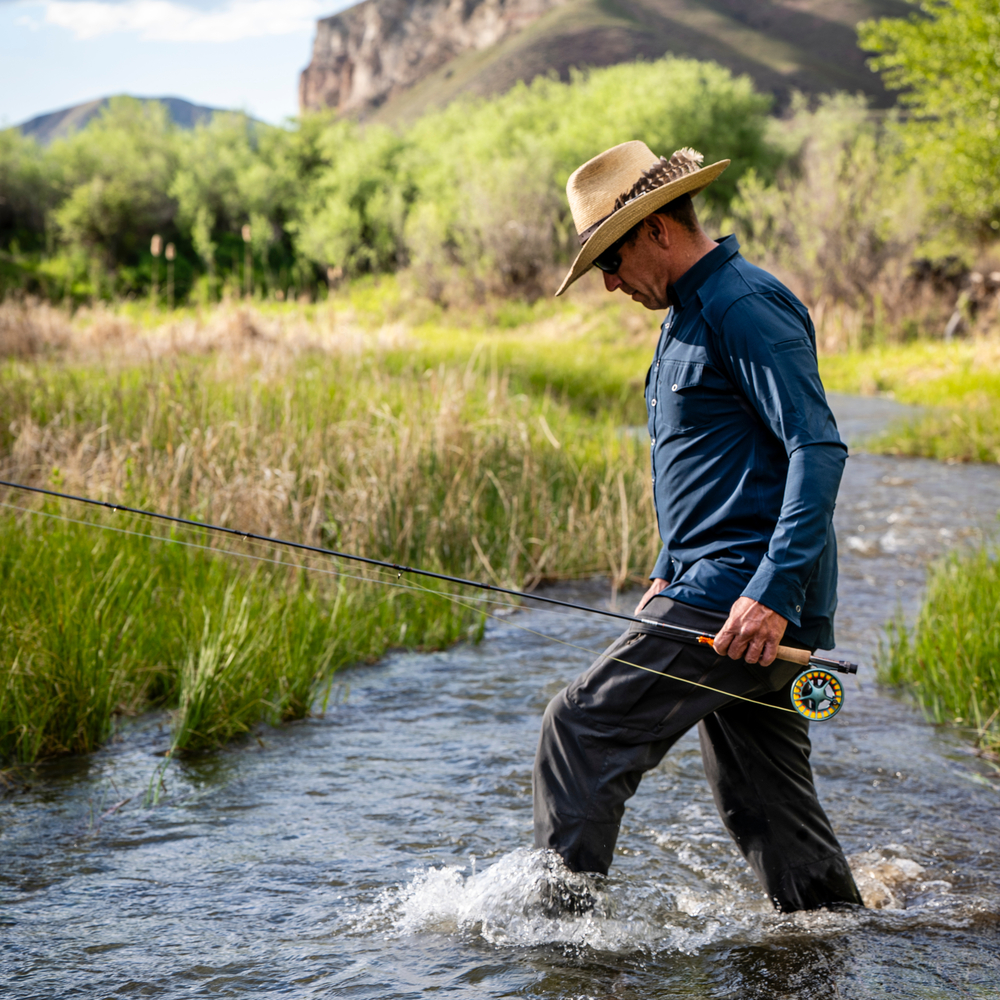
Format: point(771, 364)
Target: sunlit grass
point(950, 659)
point(96, 625)
point(502, 456)
point(957, 383)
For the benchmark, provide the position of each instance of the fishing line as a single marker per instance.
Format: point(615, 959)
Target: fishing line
point(455, 599)
point(628, 663)
point(250, 555)
point(816, 694)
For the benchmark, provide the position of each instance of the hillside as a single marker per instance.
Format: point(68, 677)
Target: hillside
point(58, 124)
point(391, 59)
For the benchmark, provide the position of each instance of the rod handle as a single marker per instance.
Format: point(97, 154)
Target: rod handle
point(789, 653)
point(793, 655)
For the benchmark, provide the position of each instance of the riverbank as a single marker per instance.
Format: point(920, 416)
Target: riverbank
point(498, 458)
point(947, 657)
point(484, 442)
point(956, 384)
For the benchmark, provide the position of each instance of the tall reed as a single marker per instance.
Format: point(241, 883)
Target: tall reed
point(950, 658)
point(360, 448)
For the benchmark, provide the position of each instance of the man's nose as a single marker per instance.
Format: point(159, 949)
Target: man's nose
point(611, 281)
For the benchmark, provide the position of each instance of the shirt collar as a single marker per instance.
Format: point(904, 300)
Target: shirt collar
point(683, 289)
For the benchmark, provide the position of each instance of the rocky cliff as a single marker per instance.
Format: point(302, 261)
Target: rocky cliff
point(392, 59)
point(369, 53)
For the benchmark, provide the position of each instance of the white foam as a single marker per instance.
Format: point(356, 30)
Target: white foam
point(509, 903)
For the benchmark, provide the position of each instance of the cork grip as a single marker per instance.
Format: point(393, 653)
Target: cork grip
point(794, 655)
point(789, 653)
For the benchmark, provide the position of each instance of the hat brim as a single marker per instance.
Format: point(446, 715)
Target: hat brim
point(620, 222)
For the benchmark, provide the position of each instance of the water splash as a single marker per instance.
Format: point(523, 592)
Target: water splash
point(529, 898)
point(888, 880)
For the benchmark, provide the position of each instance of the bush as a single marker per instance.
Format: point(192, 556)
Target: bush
point(951, 658)
point(945, 60)
point(471, 194)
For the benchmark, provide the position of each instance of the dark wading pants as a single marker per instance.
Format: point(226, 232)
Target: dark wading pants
point(614, 723)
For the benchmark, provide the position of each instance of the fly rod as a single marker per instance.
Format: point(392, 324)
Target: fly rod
point(788, 653)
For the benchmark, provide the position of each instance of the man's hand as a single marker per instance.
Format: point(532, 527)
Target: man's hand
point(752, 632)
point(654, 588)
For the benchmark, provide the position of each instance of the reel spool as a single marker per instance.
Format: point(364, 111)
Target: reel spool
point(817, 695)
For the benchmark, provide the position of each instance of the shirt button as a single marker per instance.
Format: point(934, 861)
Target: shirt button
point(674, 387)
point(653, 403)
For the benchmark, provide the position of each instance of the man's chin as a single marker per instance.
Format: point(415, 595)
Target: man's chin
point(644, 301)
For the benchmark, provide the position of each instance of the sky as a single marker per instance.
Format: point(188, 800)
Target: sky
point(244, 54)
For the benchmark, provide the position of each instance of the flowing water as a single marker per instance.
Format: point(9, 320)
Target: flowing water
point(382, 850)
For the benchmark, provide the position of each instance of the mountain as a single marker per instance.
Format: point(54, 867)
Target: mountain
point(391, 59)
point(59, 124)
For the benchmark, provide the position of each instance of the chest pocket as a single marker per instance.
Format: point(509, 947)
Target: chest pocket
point(687, 395)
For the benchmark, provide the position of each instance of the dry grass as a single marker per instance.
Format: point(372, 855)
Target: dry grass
point(321, 431)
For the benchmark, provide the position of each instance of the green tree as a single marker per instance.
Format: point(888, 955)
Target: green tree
point(116, 175)
point(946, 61)
point(353, 214)
point(27, 193)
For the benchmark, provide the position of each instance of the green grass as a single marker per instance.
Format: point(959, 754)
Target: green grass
point(96, 625)
point(950, 659)
point(958, 384)
point(498, 456)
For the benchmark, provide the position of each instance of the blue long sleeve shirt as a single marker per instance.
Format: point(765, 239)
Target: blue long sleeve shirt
point(746, 457)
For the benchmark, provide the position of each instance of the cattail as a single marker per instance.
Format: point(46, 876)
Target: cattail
point(247, 261)
point(155, 246)
point(169, 254)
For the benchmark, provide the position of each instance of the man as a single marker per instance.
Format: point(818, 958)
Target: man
point(746, 464)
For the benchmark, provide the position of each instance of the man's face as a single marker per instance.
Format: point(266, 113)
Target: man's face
point(645, 270)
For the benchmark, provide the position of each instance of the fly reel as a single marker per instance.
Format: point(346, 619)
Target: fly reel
point(817, 695)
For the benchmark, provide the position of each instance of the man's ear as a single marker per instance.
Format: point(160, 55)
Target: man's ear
point(658, 230)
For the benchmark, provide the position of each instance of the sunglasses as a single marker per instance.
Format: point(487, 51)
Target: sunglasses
point(610, 260)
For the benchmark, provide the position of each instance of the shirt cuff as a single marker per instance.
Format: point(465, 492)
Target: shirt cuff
point(664, 568)
point(772, 588)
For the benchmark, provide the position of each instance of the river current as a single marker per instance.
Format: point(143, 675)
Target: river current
point(382, 849)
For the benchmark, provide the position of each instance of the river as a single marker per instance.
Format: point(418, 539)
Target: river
point(382, 850)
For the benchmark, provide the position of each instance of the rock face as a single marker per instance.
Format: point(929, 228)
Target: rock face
point(390, 60)
point(367, 54)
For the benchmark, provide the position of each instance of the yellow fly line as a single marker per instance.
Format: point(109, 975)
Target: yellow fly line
point(401, 586)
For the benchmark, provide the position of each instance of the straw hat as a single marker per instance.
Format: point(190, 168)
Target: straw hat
point(609, 194)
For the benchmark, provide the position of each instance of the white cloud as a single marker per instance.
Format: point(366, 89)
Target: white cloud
point(166, 21)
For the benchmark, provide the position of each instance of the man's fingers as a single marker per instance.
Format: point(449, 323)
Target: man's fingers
point(722, 640)
point(770, 652)
point(737, 647)
point(754, 649)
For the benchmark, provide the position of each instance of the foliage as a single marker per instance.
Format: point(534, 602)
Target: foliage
point(26, 192)
point(499, 458)
point(475, 189)
point(842, 214)
point(946, 61)
point(492, 173)
point(115, 175)
point(950, 659)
